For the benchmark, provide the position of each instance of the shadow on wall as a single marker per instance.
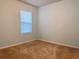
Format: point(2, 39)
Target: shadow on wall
point(55, 1)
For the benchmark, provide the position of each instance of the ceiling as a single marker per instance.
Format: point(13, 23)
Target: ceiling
point(39, 3)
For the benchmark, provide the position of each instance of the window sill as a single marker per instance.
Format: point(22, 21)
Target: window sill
point(26, 33)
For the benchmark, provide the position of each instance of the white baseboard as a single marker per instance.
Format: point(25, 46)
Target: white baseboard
point(62, 44)
point(41, 40)
point(18, 43)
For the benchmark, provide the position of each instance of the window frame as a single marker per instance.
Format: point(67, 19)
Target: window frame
point(26, 23)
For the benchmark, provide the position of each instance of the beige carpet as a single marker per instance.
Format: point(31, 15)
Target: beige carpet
point(39, 50)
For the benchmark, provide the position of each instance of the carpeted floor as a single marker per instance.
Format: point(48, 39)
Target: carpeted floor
point(39, 50)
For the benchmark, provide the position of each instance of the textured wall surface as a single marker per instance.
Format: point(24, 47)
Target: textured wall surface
point(10, 22)
point(59, 22)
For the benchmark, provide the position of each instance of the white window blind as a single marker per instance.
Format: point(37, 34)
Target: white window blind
point(25, 21)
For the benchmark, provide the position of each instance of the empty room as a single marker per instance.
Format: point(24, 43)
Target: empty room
point(39, 29)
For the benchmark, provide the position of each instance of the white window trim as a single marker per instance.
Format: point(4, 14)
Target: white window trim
point(28, 33)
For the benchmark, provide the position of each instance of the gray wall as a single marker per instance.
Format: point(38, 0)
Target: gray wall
point(9, 22)
point(59, 22)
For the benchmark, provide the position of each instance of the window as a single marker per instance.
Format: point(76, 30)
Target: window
point(25, 21)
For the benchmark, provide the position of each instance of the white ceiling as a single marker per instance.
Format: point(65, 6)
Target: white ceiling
point(39, 3)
